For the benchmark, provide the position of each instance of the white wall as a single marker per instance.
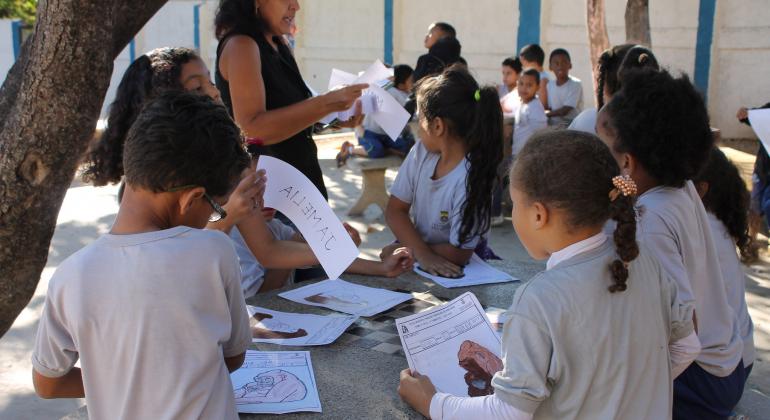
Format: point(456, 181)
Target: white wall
point(6, 46)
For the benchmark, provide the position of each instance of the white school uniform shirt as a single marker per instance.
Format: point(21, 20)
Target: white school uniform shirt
point(673, 225)
point(585, 121)
point(400, 96)
point(735, 284)
point(568, 94)
point(252, 272)
point(151, 317)
point(530, 118)
point(436, 204)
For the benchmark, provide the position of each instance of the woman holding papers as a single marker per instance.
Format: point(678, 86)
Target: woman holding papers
point(262, 87)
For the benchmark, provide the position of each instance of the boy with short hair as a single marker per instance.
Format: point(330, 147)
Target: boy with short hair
point(511, 69)
point(533, 56)
point(529, 113)
point(565, 93)
point(154, 309)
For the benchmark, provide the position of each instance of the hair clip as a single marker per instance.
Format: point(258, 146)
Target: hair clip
point(477, 95)
point(643, 57)
point(623, 185)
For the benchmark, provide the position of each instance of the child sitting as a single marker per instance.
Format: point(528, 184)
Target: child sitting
point(374, 143)
point(591, 336)
point(154, 309)
point(533, 56)
point(565, 93)
point(528, 114)
point(658, 130)
point(726, 199)
point(447, 179)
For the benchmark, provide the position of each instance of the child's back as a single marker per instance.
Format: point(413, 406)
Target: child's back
point(151, 315)
point(578, 351)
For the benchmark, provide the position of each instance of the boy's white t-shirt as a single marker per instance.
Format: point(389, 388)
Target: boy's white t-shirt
point(151, 317)
point(674, 227)
point(252, 272)
point(735, 284)
point(568, 94)
point(436, 205)
point(585, 121)
point(530, 118)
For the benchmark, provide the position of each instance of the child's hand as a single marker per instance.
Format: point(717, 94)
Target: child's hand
point(354, 121)
point(354, 235)
point(439, 266)
point(416, 390)
point(388, 250)
point(245, 200)
point(399, 261)
point(742, 114)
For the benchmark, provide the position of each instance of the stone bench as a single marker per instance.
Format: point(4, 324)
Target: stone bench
point(373, 174)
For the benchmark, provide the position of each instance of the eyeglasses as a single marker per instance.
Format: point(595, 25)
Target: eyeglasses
point(218, 214)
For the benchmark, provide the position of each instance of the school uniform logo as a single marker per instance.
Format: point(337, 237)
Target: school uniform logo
point(444, 216)
point(443, 223)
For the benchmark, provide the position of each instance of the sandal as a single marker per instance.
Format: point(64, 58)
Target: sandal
point(344, 154)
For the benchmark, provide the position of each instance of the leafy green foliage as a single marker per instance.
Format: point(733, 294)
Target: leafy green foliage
point(19, 9)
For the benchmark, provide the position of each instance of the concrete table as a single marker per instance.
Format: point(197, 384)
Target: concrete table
point(356, 382)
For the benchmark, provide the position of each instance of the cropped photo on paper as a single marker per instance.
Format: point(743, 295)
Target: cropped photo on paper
point(350, 298)
point(454, 345)
point(476, 272)
point(291, 192)
point(290, 329)
point(276, 382)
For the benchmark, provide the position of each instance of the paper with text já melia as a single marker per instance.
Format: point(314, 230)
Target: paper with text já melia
point(292, 193)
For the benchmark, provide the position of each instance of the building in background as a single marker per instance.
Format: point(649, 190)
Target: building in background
point(725, 46)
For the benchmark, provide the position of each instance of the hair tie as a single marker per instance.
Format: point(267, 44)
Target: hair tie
point(643, 58)
point(254, 141)
point(477, 95)
point(623, 185)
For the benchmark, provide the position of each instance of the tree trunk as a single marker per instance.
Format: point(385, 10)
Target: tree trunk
point(49, 105)
point(598, 40)
point(638, 22)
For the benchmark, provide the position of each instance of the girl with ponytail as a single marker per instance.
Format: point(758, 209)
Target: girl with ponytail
point(447, 179)
point(592, 335)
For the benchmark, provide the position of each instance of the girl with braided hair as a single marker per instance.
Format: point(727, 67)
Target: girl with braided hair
point(657, 128)
point(591, 336)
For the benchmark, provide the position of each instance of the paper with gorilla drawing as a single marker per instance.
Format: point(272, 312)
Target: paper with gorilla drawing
point(439, 341)
point(290, 329)
point(291, 192)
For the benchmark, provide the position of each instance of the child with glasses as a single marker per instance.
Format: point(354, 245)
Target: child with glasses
point(154, 309)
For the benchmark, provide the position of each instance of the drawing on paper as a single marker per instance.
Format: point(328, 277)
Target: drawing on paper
point(338, 298)
point(481, 365)
point(273, 386)
point(264, 326)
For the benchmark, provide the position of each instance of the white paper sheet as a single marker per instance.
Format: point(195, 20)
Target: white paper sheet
point(292, 193)
point(276, 382)
point(497, 317)
point(350, 298)
point(476, 272)
point(289, 329)
point(386, 111)
point(760, 122)
point(441, 340)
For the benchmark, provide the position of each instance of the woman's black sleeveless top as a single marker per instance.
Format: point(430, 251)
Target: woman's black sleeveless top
point(284, 86)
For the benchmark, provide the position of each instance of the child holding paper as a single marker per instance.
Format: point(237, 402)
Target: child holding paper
point(447, 179)
point(154, 309)
point(600, 333)
point(657, 128)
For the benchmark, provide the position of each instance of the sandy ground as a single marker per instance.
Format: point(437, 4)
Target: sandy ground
point(87, 212)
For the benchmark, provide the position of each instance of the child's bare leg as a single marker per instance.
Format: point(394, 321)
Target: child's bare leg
point(275, 279)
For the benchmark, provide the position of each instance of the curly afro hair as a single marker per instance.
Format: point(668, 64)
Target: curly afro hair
point(662, 121)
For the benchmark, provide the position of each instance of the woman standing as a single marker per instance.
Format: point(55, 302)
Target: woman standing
point(263, 88)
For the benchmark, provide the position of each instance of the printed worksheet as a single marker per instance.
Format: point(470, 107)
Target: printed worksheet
point(454, 345)
point(289, 329)
point(760, 122)
point(276, 382)
point(350, 298)
point(476, 272)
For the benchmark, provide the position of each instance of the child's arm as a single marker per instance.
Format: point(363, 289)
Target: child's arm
point(397, 217)
point(234, 363)
point(68, 386)
point(560, 112)
point(270, 252)
point(399, 261)
point(242, 202)
point(542, 92)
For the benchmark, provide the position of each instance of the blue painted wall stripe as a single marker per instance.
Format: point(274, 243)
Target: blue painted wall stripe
point(197, 27)
point(132, 50)
point(705, 37)
point(529, 23)
point(388, 44)
point(16, 34)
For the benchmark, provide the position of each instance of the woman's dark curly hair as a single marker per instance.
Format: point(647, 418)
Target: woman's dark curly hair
point(473, 114)
point(148, 75)
point(662, 121)
point(237, 16)
point(617, 61)
point(572, 171)
point(728, 199)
